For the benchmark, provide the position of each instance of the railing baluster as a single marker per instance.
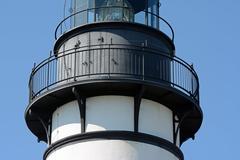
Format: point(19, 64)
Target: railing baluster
point(48, 71)
point(143, 65)
point(109, 60)
point(192, 92)
point(172, 70)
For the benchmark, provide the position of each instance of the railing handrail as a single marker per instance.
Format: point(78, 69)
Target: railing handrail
point(193, 92)
point(123, 7)
point(168, 24)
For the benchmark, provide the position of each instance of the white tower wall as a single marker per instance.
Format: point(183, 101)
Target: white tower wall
point(111, 150)
point(112, 113)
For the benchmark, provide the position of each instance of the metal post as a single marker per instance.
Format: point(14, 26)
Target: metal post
point(75, 10)
point(157, 19)
point(109, 64)
point(94, 11)
point(31, 83)
point(146, 13)
point(143, 65)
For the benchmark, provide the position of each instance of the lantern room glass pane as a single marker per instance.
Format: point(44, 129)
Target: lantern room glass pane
point(81, 17)
point(114, 10)
point(90, 11)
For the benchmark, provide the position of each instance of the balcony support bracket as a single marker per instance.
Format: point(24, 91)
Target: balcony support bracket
point(137, 103)
point(82, 108)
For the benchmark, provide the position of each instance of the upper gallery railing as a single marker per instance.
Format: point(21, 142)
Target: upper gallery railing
point(113, 61)
point(92, 15)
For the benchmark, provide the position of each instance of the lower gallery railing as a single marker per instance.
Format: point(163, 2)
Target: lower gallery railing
point(113, 61)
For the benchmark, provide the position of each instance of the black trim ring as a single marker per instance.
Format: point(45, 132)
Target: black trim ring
point(117, 135)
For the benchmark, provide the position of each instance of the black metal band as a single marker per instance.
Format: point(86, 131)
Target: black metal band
point(117, 135)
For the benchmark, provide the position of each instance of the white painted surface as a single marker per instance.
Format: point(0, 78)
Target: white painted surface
point(111, 150)
point(112, 113)
point(109, 113)
point(156, 119)
point(66, 121)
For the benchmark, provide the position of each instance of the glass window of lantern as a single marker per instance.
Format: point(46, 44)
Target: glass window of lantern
point(114, 10)
point(91, 11)
point(80, 17)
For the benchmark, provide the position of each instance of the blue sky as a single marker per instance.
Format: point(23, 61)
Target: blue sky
point(207, 34)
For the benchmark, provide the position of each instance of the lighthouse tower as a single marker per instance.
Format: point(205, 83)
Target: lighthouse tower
point(113, 88)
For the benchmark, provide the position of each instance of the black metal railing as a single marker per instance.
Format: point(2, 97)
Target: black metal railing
point(89, 15)
point(113, 61)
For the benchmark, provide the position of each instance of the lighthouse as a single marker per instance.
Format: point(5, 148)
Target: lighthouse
point(113, 87)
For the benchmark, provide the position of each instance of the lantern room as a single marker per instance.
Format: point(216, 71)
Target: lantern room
point(135, 11)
